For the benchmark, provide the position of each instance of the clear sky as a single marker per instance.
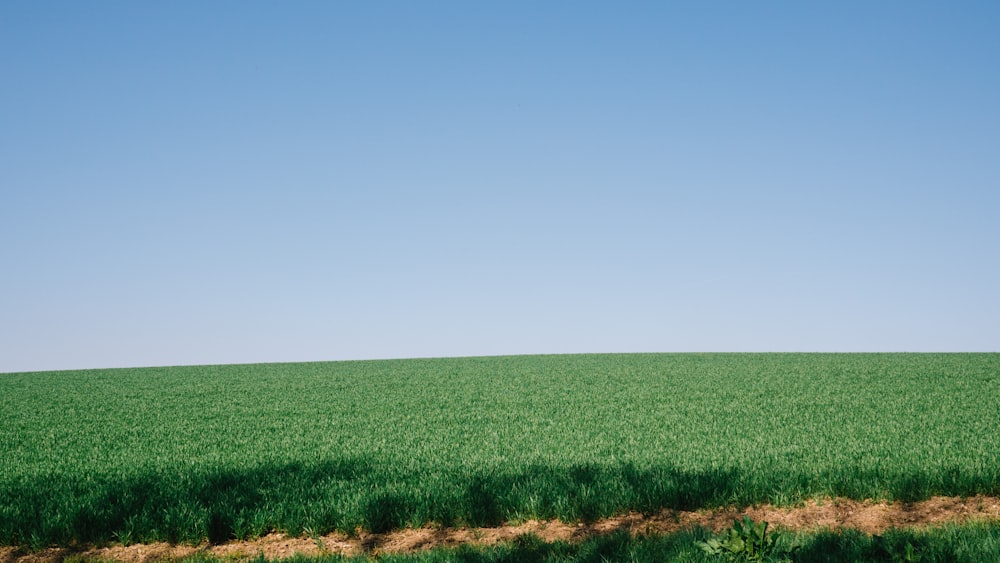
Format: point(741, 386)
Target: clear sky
point(230, 182)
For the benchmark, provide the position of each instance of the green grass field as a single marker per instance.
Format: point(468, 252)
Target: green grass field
point(189, 453)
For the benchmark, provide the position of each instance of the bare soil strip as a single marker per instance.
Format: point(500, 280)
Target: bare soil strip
point(866, 516)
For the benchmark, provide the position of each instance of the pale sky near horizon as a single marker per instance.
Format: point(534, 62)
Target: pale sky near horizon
point(235, 182)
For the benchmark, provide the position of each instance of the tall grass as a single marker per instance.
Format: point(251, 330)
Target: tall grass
point(218, 452)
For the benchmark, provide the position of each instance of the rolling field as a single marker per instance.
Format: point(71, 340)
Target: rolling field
point(193, 453)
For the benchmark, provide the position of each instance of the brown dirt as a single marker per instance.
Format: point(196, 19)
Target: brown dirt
point(867, 516)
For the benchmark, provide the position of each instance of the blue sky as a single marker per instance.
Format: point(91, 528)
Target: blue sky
point(233, 182)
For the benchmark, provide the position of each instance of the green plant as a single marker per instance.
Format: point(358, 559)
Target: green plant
point(910, 554)
point(316, 538)
point(745, 541)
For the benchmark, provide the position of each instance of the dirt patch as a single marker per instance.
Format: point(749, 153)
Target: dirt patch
point(867, 516)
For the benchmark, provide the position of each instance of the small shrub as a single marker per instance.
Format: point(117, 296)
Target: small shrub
point(745, 541)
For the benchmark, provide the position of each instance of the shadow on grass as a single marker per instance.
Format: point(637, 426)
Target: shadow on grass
point(358, 494)
point(966, 543)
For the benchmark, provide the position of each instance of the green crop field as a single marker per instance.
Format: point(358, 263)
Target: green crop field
point(195, 453)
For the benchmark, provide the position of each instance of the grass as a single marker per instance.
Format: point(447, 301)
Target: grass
point(971, 543)
point(219, 452)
